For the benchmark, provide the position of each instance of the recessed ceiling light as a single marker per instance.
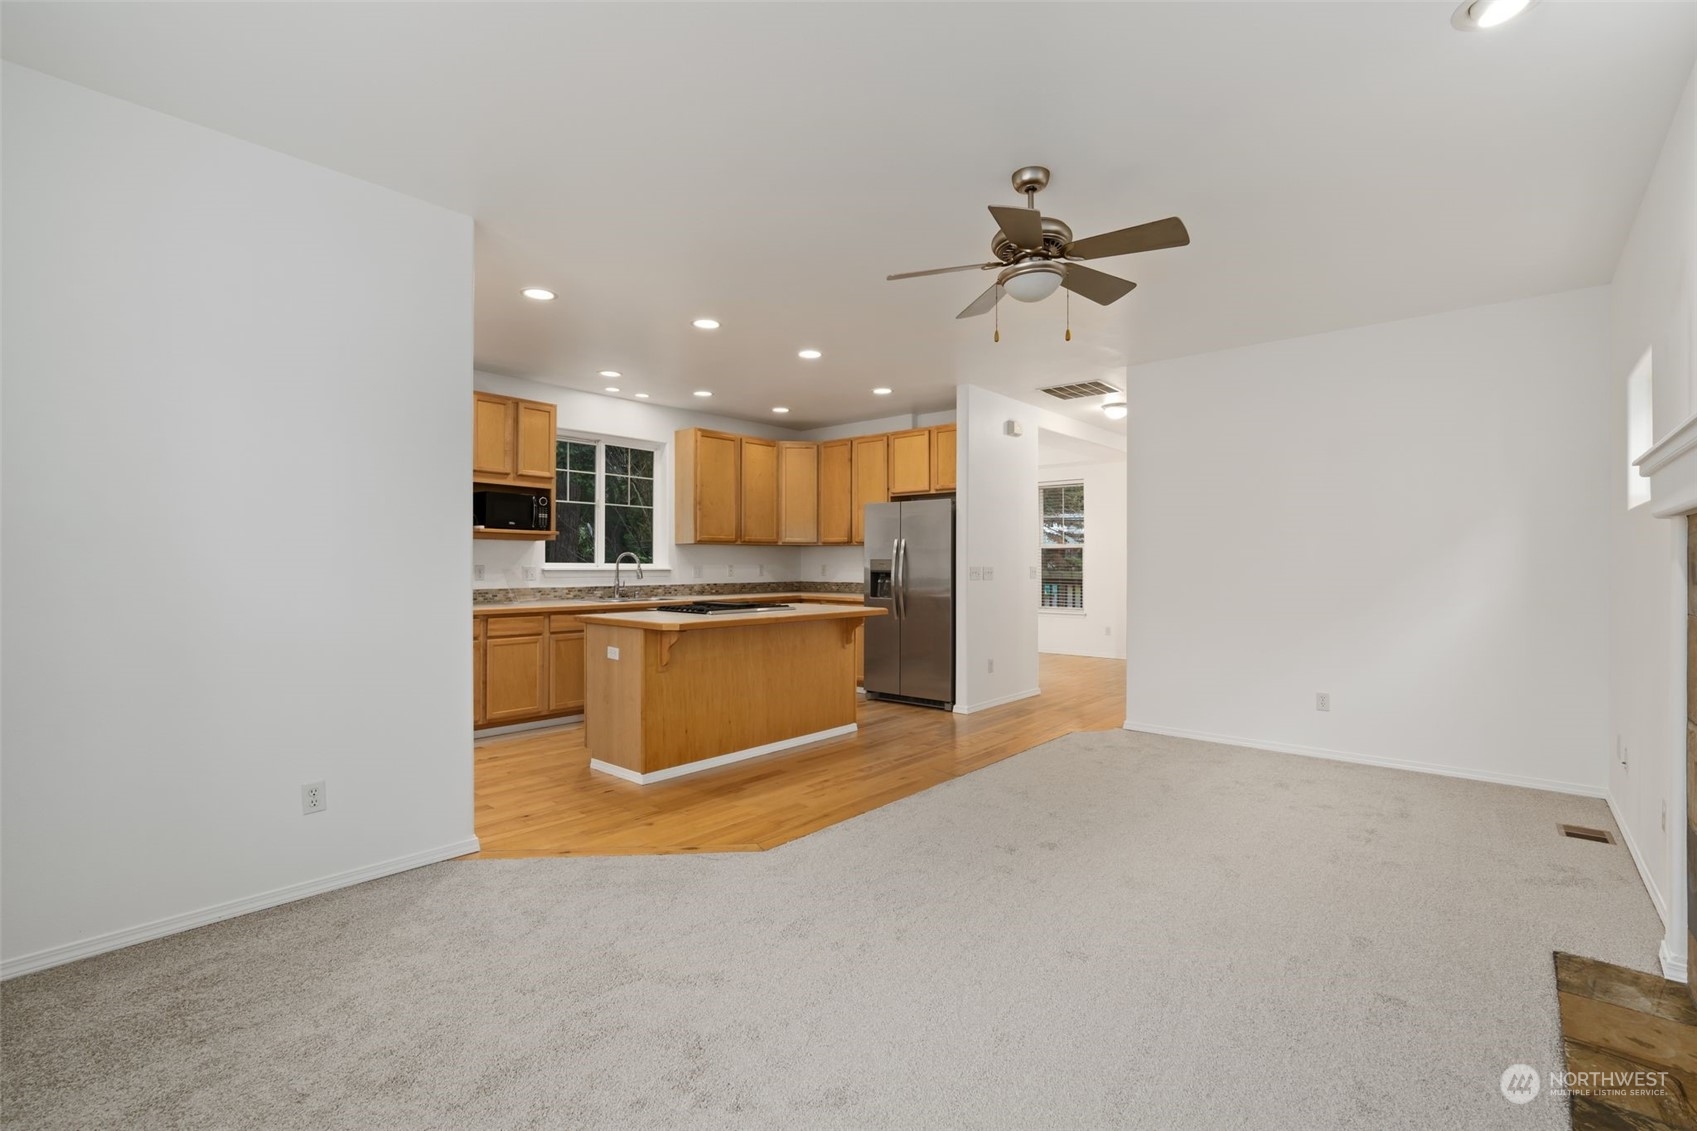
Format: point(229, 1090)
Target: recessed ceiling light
point(640, 396)
point(1114, 410)
point(810, 355)
point(705, 324)
point(612, 388)
point(540, 294)
point(779, 409)
point(611, 374)
point(703, 392)
point(881, 392)
point(1482, 15)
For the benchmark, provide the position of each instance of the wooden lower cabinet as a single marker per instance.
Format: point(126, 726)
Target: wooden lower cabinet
point(477, 715)
point(515, 670)
point(565, 672)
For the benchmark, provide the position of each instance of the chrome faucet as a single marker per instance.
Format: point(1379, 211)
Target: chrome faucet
point(618, 580)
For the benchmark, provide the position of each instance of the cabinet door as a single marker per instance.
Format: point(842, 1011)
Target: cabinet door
point(491, 436)
point(477, 711)
point(535, 431)
point(798, 494)
point(515, 669)
point(871, 478)
point(910, 462)
point(716, 486)
point(759, 490)
point(943, 457)
point(565, 672)
point(836, 492)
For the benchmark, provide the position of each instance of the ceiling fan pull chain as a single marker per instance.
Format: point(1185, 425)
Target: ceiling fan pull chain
point(997, 307)
point(1069, 316)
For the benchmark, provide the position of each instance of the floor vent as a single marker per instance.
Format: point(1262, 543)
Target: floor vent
point(1580, 832)
point(1079, 391)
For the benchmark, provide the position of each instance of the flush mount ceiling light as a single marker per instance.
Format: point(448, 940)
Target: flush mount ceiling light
point(881, 392)
point(640, 396)
point(1114, 410)
point(703, 392)
point(810, 355)
point(1482, 15)
point(779, 409)
point(1031, 281)
point(611, 374)
point(705, 324)
point(540, 294)
point(612, 388)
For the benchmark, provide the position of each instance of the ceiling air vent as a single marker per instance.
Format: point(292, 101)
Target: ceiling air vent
point(1079, 391)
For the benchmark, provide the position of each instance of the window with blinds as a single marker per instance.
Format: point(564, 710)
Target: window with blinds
point(1061, 512)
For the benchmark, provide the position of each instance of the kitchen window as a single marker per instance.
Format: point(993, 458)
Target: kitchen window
point(1061, 514)
point(605, 501)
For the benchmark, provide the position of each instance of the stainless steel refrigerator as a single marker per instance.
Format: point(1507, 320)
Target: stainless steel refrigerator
point(910, 573)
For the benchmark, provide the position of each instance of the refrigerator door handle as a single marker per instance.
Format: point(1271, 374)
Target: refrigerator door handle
point(900, 564)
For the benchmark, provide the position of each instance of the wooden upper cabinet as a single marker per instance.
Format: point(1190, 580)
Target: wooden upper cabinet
point(836, 492)
point(492, 439)
point(943, 457)
point(910, 462)
point(759, 490)
point(535, 447)
point(871, 478)
point(708, 472)
point(798, 494)
point(512, 440)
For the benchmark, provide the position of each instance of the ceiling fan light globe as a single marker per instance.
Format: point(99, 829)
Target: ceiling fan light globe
point(1114, 410)
point(1031, 282)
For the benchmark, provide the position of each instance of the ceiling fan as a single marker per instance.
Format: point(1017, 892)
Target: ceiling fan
point(1036, 254)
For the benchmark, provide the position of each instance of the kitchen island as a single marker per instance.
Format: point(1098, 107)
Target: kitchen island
point(676, 693)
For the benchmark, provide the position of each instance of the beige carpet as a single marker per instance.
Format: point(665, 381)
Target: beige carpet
point(1113, 930)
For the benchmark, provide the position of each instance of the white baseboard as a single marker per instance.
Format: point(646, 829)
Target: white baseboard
point(188, 920)
point(1577, 788)
point(539, 724)
point(1673, 969)
point(720, 759)
point(1003, 701)
point(1643, 871)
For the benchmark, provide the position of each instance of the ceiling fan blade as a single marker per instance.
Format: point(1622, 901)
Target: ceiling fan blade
point(1144, 237)
point(942, 271)
point(1024, 226)
point(983, 303)
point(1095, 285)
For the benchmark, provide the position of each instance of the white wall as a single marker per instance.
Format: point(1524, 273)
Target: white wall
point(517, 564)
point(996, 521)
point(1100, 629)
point(1653, 307)
point(236, 428)
point(1409, 516)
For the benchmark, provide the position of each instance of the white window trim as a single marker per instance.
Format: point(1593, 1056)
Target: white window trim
point(663, 545)
point(1052, 610)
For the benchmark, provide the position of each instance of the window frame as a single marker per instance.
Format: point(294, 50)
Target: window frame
point(663, 544)
point(1052, 610)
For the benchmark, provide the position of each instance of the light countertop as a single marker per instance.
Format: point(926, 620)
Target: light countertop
point(655, 621)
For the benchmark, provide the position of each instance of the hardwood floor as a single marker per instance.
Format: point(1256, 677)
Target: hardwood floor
point(1622, 1022)
point(536, 795)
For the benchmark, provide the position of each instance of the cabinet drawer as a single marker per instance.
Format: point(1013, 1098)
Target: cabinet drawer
point(517, 626)
point(562, 622)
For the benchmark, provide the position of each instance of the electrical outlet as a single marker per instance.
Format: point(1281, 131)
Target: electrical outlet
point(477, 573)
point(762, 569)
point(992, 667)
point(730, 571)
point(698, 573)
point(1034, 573)
point(821, 571)
point(612, 652)
point(530, 573)
point(1664, 816)
point(1107, 630)
point(1322, 700)
point(1620, 749)
point(313, 797)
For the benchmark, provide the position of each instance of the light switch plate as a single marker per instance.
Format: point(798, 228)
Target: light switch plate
point(989, 573)
point(975, 573)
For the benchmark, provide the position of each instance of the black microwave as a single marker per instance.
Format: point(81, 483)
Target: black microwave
point(512, 510)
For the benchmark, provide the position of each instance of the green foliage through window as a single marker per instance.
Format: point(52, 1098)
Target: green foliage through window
point(1061, 507)
point(604, 503)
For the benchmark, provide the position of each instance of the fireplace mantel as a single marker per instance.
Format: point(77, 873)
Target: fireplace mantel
point(1671, 465)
